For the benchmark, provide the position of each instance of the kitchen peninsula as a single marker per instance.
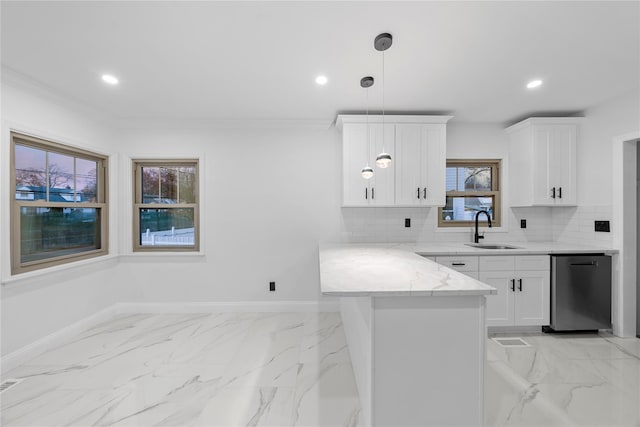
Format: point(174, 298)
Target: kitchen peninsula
point(416, 334)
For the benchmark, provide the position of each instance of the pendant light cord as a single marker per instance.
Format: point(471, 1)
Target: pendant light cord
point(383, 102)
point(368, 137)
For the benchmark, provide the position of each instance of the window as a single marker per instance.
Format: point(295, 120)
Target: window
point(165, 205)
point(472, 186)
point(58, 206)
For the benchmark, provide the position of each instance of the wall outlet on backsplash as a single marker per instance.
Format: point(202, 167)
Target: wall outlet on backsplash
point(523, 223)
point(602, 226)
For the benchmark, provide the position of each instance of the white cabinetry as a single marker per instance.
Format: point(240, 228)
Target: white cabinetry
point(542, 162)
point(522, 282)
point(417, 145)
point(421, 164)
point(356, 151)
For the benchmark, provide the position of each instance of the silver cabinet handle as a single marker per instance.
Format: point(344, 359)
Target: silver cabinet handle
point(373, 194)
point(424, 193)
point(418, 192)
point(366, 193)
point(559, 192)
point(513, 285)
point(520, 284)
point(553, 193)
point(458, 263)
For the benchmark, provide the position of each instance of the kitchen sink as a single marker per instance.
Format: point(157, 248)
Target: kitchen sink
point(490, 246)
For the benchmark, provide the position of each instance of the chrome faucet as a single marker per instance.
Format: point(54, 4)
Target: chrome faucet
point(476, 236)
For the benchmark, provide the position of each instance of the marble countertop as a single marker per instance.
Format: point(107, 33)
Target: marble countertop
point(388, 269)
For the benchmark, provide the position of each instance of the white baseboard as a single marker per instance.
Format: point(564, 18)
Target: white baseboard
point(30, 351)
point(242, 306)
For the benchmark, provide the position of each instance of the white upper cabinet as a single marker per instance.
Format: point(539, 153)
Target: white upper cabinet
point(542, 162)
point(378, 190)
point(421, 157)
point(417, 145)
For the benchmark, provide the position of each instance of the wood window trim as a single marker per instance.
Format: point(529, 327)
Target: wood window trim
point(102, 190)
point(136, 166)
point(496, 170)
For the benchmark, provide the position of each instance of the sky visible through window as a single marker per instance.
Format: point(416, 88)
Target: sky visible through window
point(31, 171)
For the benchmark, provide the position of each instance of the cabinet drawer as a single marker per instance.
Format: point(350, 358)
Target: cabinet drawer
point(460, 263)
point(532, 262)
point(497, 263)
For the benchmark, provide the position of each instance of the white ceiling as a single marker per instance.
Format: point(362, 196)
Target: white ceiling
point(258, 60)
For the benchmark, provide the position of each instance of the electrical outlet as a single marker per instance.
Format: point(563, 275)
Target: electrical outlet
point(272, 286)
point(407, 222)
point(602, 226)
point(523, 223)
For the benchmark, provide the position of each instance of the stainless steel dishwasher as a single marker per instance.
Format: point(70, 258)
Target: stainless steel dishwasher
point(580, 292)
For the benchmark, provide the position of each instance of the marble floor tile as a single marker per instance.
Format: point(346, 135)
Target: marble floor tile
point(512, 401)
point(215, 339)
point(293, 369)
point(324, 339)
point(326, 395)
point(249, 406)
point(222, 369)
point(580, 379)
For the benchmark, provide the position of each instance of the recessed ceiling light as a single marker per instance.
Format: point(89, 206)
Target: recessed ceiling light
point(534, 84)
point(322, 80)
point(108, 78)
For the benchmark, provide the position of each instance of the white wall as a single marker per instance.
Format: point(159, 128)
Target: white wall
point(40, 304)
point(602, 123)
point(594, 151)
point(270, 195)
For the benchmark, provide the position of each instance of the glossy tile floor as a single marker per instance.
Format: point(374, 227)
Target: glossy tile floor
point(286, 369)
point(564, 380)
point(226, 369)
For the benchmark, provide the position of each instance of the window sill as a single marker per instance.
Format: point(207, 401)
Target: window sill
point(482, 229)
point(156, 254)
point(58, 268)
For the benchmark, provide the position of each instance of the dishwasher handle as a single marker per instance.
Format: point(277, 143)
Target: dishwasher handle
point(584, 264)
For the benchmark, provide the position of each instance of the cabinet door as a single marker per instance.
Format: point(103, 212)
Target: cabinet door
point(562, 163)
point(499, 307)
point(383, 181)
point(434, 159)
point(532, 302)
point(409, 141)
point(355, 152)
point(542, 175)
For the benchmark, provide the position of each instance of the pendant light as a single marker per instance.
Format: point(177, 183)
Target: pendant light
point(367, 171)
point(382, 43)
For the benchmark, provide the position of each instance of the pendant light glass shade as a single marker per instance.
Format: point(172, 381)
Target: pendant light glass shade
point(383, 160)
point(367, 172)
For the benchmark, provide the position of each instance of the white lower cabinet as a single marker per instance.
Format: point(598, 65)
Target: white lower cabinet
point(523, 297)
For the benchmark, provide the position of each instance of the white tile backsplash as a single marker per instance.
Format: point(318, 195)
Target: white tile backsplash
point(561, 224)
point(576, 224)
point(361, 225)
